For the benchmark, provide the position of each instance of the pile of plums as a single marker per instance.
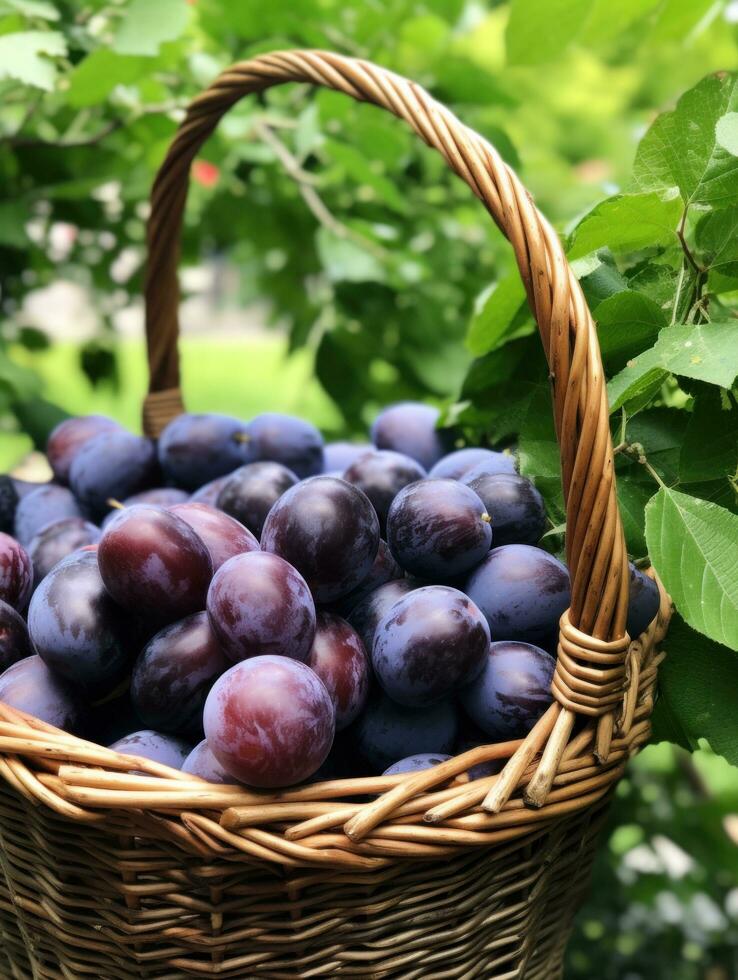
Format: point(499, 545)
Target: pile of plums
point(243, 602)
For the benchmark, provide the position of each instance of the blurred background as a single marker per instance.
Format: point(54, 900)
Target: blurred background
point(331, 264)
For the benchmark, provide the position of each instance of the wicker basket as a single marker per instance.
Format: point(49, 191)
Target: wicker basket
point(117, 875)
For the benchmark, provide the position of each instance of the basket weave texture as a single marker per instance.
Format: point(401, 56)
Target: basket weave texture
point(152, 873)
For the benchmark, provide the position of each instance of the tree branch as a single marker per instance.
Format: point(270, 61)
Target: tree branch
point(305, 183)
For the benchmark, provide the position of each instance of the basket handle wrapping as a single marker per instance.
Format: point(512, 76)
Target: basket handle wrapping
point(592, 639)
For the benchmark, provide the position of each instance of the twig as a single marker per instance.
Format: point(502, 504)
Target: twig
point(305, 183)
point(683, 241)
point(30, 141)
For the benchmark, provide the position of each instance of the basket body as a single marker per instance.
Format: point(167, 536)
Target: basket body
point(74, 905)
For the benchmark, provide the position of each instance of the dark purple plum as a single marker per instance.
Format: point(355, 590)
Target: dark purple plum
point(471, 737)
point(338, 456)
point(270, 722)
point(154, 564)
point(431, 643)
point(643, 602)
point(384, 569)
point(69, 436)
point(341, 762)
point(223, 536)
point(58, 540)
point(45, 505)
point(8, 502)
point(288, 440)
point(496, 464)
point(208, 492)
point(339, 659)
point(329, 531)
point(77, 629)
point(16, 573)
point(438, 529)
point(169, 750)
point(522, 591)
point(158, 497)
point(381, 475)
point(110, 719)
point(386, 732)
point(410, 428)
point(15, 643)
point(259, 604)
point(174, 673)
point(416, 763)
point(367, 613)
point(515, 506)
point(250, 492)
point(201, 762)
point(113, 465)
point(30, 686)
point(195, 449)
point(512, 692)
point(459, 463)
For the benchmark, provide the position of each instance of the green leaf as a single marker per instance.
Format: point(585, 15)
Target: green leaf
point(492, 321)
point(539, 30)
point(716, 237)
point(628, 322)
point(682, 147)
point(19, 382)
point(538, 450)
point(710, 447)
point(693, 545)
point(31, 8)
point(356, 166)
point(632, 500)
point(95, 77)
point(26, 56)
point(698, 692)
point(344, 260)
point(706, 352)
point(599, 277)
point(607, 20)
point(661, 433)
point(146, 26)
point(626, 223)
point(13, 218)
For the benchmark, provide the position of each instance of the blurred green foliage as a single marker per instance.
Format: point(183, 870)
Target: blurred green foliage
point(622, 119)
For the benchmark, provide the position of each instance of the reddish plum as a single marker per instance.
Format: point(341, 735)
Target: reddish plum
point(259, 604)
point(16, 573)
point(223, 536)
point(339, 659)
point(154, 564)
point(270, 721)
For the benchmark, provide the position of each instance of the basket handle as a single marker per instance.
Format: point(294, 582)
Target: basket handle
point(595, 545)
